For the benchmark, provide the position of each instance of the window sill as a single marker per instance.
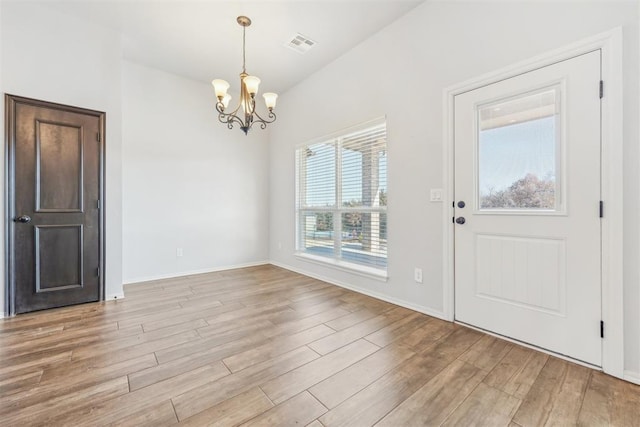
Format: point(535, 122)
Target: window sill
point(360, 270)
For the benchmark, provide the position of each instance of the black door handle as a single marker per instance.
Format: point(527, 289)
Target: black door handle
point(460, 220)
point(23, 219)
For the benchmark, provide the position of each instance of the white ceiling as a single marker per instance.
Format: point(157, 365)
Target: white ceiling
point(201, 39)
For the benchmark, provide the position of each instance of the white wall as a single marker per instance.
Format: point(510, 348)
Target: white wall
point(190, 182)
point(433, 47)
point(53, 57)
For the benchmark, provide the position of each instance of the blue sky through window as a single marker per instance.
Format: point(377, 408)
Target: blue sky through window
point(509, 153)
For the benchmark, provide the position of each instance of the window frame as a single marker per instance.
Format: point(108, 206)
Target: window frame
point(337, 210)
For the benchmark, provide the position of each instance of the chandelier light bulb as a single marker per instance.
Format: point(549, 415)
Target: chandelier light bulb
point(221, 87)
point(252, 83)
point(270, 100)
point(225, 100)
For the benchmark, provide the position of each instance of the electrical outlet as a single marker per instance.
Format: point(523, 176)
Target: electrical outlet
point(178, 252)
point(417, 275)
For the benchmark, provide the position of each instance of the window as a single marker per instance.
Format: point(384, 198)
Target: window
point(518, 146)
point(341, 203)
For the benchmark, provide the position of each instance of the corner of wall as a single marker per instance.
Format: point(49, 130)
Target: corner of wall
point(632, 377)
point(3, 309)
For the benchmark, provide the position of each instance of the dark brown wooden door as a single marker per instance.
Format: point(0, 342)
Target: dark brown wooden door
point(55, 180)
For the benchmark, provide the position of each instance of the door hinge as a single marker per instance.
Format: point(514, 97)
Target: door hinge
point(601, 209)
point(98, 271)
point(601, 329)
point(99, 137)
point(601, 89)
point(98, 204)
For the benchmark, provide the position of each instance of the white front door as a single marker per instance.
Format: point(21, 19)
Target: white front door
point(527, 208)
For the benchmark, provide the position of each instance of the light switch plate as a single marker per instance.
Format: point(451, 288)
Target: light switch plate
point(436, 194)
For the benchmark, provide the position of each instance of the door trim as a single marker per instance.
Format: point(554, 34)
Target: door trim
point(9, 190)
point(610, 44)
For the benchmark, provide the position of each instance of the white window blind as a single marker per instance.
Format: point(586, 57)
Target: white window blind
point(341, 198)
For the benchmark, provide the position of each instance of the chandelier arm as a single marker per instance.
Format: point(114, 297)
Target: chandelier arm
point(226, 119)
point(234, 113)
point(222, 117)
point(271, 117)
point(250, 119)
point(229, 118)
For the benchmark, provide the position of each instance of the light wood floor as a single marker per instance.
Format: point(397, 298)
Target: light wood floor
point(265, 346)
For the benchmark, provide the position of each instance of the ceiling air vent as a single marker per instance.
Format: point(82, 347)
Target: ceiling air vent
point(300, 43)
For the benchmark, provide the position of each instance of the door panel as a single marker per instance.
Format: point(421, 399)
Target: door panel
point(58, 167)
point(55, 163)
point(527, 166)
point(501, 260)
point(59, 254)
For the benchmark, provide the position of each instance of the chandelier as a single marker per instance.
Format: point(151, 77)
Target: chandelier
point(248, 90)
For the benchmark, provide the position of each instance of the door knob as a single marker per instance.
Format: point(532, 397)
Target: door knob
point(461, 204)
point(460, 220)
point(23, 219)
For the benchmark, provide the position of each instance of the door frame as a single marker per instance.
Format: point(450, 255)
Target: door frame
point(11, 102)
point(610, 44)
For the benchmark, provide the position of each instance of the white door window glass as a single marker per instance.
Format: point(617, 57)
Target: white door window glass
point(518, 146)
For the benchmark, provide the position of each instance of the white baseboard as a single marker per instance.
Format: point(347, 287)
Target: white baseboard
point(415, 307)
point(114, 297)
point(632, 377)
point(192, 272)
